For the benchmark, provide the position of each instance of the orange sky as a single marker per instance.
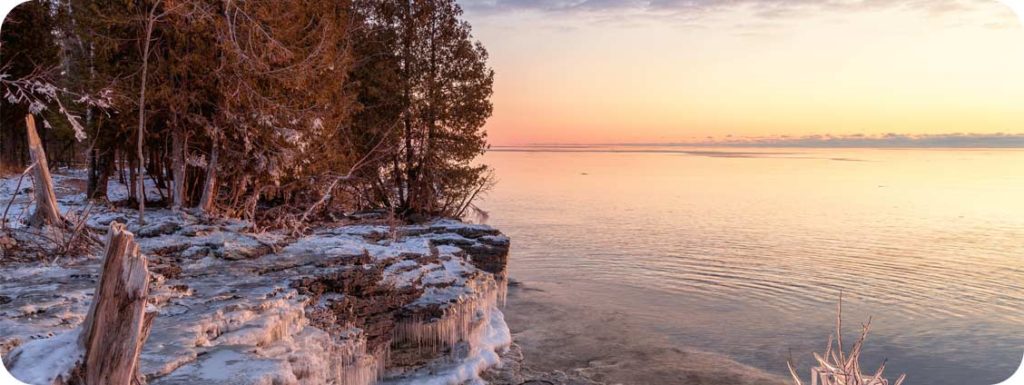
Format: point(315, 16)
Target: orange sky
point(602, 71)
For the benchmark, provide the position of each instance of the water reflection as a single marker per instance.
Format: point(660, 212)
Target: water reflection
point(744, 252)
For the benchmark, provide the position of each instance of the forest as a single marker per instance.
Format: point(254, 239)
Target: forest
point(280, 113)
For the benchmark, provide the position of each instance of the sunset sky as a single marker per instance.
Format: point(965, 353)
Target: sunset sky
point(646, 71)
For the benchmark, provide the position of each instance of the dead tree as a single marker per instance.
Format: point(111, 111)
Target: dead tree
point(141, 189)
point(178, 166)
point(46, 201)
point(210, 186)
point(117, 324)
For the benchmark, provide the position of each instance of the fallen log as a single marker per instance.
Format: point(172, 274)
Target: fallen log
point(117, 324)
point(46, 212)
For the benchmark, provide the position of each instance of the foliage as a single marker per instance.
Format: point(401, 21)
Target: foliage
point(424, 76)
point(273, 111)
point(29, 75)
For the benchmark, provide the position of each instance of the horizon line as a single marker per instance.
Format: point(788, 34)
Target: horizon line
point(891, 141)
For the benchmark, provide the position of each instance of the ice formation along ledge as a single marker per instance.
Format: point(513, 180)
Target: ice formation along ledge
point(353, 305)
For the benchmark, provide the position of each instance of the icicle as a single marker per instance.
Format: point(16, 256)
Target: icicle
point(501, 279)
point(382, 355)
point(354, 365)
point(478, 330)
point(462, 321)
point(364, 371)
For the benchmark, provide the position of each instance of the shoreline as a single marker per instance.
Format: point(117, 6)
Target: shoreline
point(351, 302)
point(576, 344)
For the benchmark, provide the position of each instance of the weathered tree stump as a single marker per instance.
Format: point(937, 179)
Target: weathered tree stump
point(46, 201)
point(117, 324)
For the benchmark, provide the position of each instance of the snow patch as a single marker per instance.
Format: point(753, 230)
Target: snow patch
point(40, 362)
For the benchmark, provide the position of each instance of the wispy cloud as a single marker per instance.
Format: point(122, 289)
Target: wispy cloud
point(870, 141)
point(695, 9)
point(999, 140)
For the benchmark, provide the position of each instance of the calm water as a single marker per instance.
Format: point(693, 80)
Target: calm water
point(743, 252)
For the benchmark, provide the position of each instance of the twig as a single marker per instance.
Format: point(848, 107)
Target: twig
point(78, 228)
point(839, 368)
point(17, 189)
point(351, 171)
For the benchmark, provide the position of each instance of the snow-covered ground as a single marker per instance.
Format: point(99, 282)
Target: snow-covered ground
point(69, 186)
point(352, 305)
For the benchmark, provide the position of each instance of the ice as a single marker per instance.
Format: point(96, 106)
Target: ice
point(70, 197)
point(41, 361)
point(464, 310)
point(116, 191)
point(484, 349)
point(230, 365)
point(232, 310)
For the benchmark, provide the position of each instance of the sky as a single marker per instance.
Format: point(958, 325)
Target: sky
point(683, 71)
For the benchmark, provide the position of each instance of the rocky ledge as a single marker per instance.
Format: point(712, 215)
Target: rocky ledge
point(352, 304)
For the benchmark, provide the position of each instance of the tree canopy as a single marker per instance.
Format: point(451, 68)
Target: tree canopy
point(272, 111)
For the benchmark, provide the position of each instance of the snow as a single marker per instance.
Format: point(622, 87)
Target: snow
point(484, 352)
point(495, 239)
point(327, 245)
point(70, 197)
point(233, 315)
point(9, 275)
point(118, 192)
point(49, 358)
point(230, 366)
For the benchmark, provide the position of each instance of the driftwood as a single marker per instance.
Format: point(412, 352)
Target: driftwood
point(117, 324)
point(838, 367)
point(46, 201)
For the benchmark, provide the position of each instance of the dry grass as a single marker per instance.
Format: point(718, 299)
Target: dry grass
point(836, 367)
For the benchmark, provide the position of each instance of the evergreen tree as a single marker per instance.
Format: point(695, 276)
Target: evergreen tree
point(284, 76)
point(265, 110)
point(422, 73)
point(29, 61)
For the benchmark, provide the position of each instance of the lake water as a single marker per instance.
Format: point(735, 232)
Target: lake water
point(743, 253)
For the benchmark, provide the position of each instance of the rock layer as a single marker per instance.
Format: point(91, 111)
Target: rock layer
point(345, 305)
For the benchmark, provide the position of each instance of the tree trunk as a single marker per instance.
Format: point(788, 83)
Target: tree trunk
point(405, 193)
point(119, 160)
point(133, 187)
point(141, 190)
point(46, 201)
point(178, 166)
point(93, 173)
point(101, 165)
point(117, 325)
point(141, 122)
point(210, 186)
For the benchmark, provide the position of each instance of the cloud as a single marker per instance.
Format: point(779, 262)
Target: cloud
point(695, 9)
point(960, 140)
point(1017, 6)
point(874, 141)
